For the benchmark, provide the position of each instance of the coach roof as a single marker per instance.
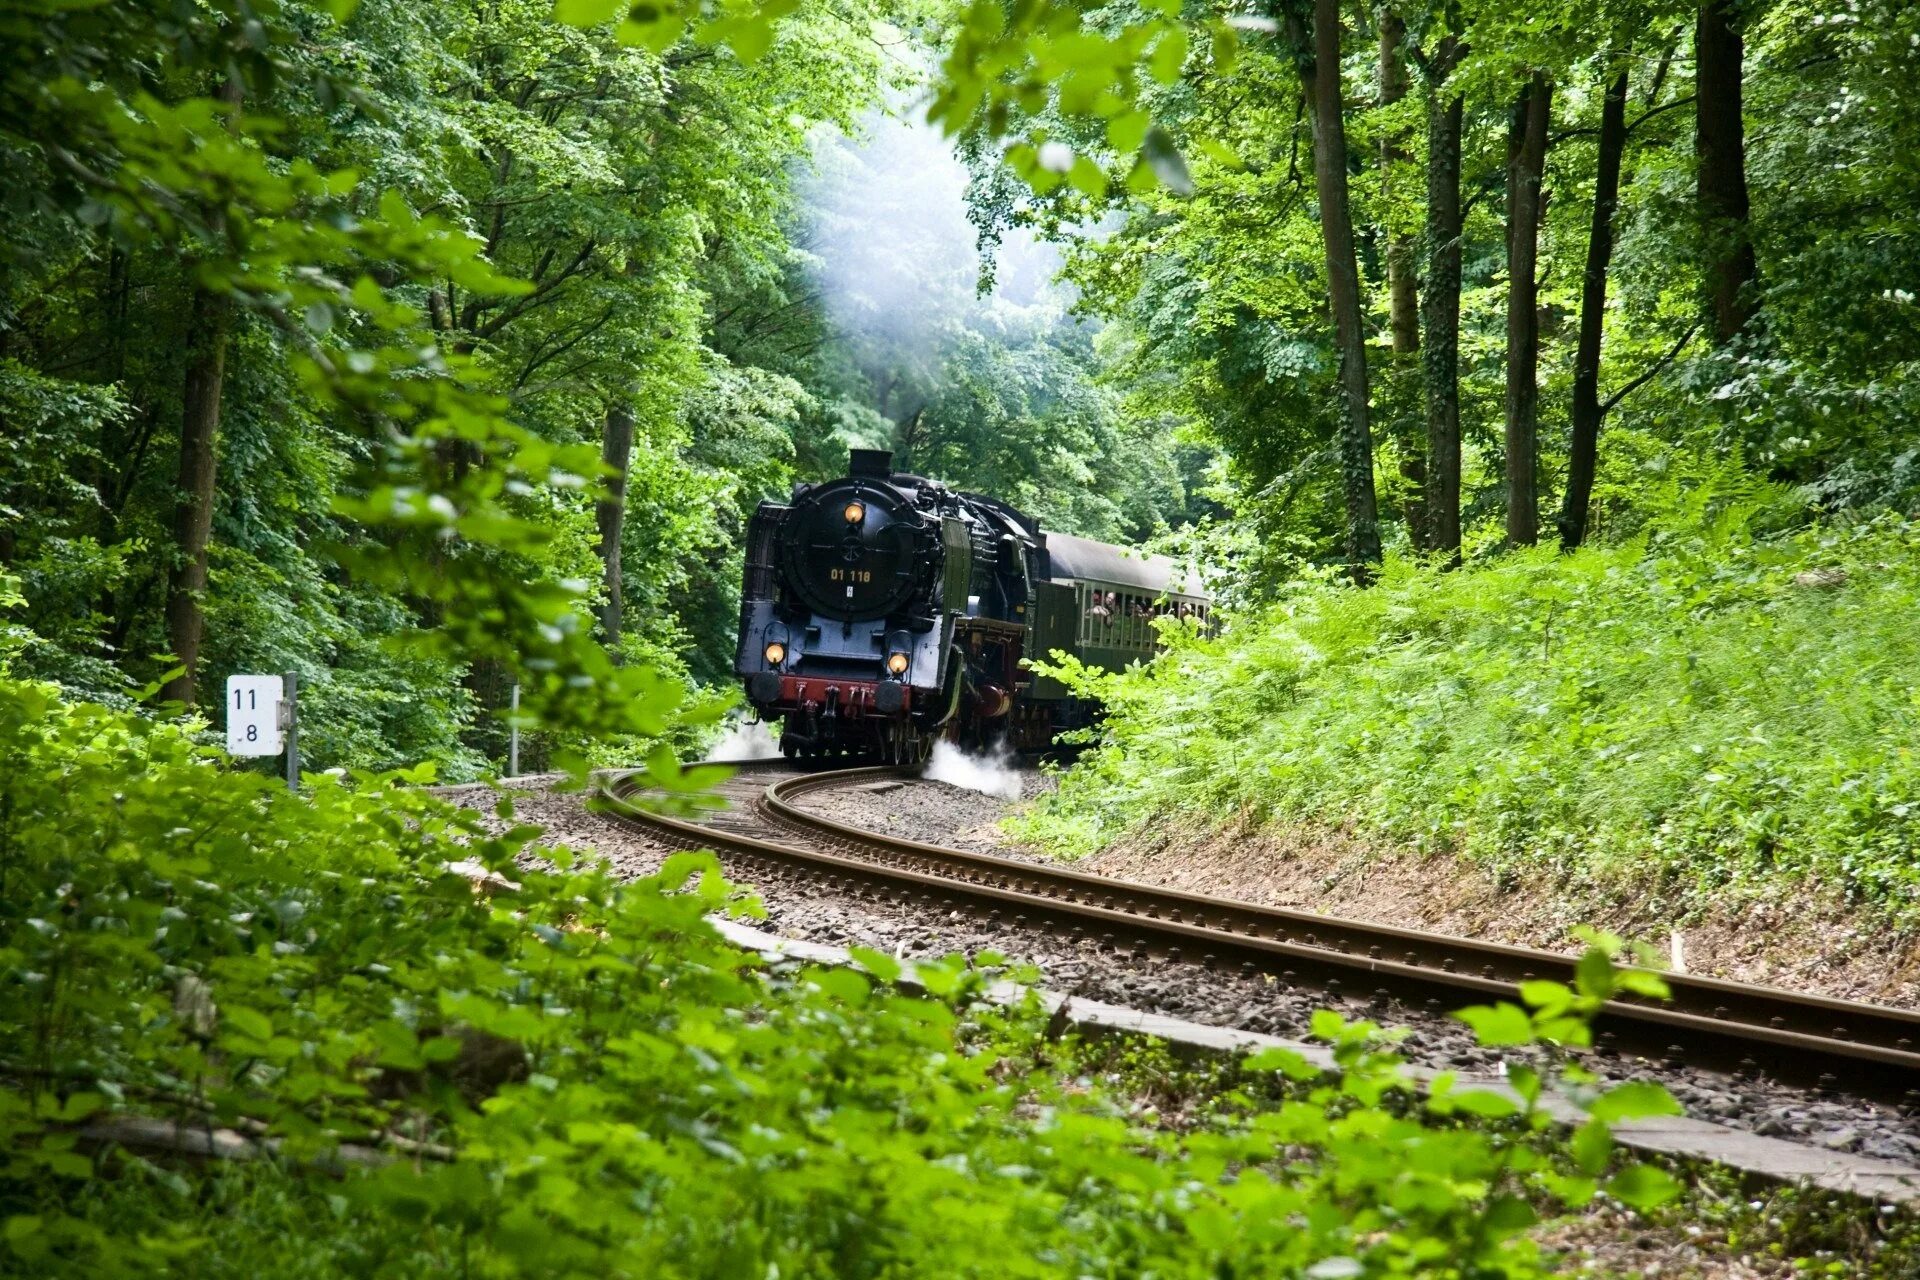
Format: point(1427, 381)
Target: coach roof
point(1073, 557)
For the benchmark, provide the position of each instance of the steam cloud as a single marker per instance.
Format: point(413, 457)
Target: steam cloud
point(990, 775)
point(746, 740)
point(892, 250)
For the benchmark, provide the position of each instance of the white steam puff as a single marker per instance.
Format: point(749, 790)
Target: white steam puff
point(896, 260)
point(746, 740)
point(990, 775)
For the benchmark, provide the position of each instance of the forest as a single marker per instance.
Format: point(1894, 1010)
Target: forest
point(1333, 286)
point(1537, 387)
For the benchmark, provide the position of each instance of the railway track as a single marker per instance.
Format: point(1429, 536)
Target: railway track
point(1844, 1046)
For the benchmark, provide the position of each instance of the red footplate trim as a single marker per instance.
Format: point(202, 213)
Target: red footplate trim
point(854, 699)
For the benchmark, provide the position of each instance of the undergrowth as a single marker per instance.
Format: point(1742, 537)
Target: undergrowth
point(1703, 705)
point(555, 1073)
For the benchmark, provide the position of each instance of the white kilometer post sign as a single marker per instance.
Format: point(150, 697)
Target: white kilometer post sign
point(260, 719)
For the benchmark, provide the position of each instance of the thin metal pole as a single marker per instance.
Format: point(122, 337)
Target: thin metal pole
point(293, 732)
point(513, 736)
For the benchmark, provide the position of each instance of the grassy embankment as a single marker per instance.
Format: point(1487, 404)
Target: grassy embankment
point(1712, 712)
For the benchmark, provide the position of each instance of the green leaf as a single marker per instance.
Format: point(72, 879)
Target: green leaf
point(650, 28)
point(1509, 1215)
point(1592, 1147)
point(878, 963)
point(843, 985)
point(1225, 48)
point(1288, 1062)
point(939, 977)
point(1643, 1186)
point(1577, 1032)
point(81, 1105)
point(1544, 995)
point(1088, 178)
point(1634, 1100)
point(395, 1046)
point(1483, 1103)
point(25, 1234)
point(248, 1022)
point(750, 38)
point(440, 1049)
point(1642, 982)
point(1126, 131)
point(1495, 1026)
point(1594, 974)
point(1326, 1024)
point(1140, 179)
point(1168, 57)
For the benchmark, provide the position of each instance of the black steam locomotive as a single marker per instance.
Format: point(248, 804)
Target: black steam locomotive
point(883, 611)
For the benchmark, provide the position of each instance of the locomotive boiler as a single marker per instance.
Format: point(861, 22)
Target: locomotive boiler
point(882, 611)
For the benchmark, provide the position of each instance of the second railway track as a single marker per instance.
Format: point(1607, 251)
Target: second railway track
point(1859, 1049)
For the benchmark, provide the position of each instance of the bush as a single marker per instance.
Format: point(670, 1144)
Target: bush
point(577, 1076)
point(1734, 710)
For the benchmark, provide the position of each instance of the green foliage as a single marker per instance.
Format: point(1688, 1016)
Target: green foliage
point(451, 241)
point(1214, 287)
point(1736, 711)
point(576, 1076)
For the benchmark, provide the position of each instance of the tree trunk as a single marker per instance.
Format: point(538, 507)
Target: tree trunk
point(1720, 145)
point(1343, 289)
point(209, 321)
point(1584, 447)
point(1441, 305)
point(616, 450)
point(1403, 297)
point(1526, 160)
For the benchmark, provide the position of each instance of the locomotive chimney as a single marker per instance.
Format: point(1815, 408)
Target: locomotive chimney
point(870, 462)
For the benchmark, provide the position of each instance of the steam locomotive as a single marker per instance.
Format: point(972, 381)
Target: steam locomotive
point(882, 611)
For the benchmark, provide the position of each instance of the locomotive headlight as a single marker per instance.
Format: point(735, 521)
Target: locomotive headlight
point(776, 654)
point(897, 664)
point(855, 512)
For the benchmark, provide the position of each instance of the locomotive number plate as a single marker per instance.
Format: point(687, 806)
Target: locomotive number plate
point(852, 575)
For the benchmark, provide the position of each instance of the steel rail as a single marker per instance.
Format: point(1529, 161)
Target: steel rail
point(1848, 1046)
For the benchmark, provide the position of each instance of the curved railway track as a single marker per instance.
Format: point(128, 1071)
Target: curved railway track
point(1858, 1049)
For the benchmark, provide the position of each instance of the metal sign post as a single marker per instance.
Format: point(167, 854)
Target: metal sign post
point(513, 736)
point(290, 708)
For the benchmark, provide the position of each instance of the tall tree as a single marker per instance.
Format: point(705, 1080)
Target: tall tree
point(1584, 443)
point(616, 452)
point(1322, 82)
point(1720, 145)
point(209, 322)
point(1403, 297)
point(1441, 304)
point(1526, 163)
